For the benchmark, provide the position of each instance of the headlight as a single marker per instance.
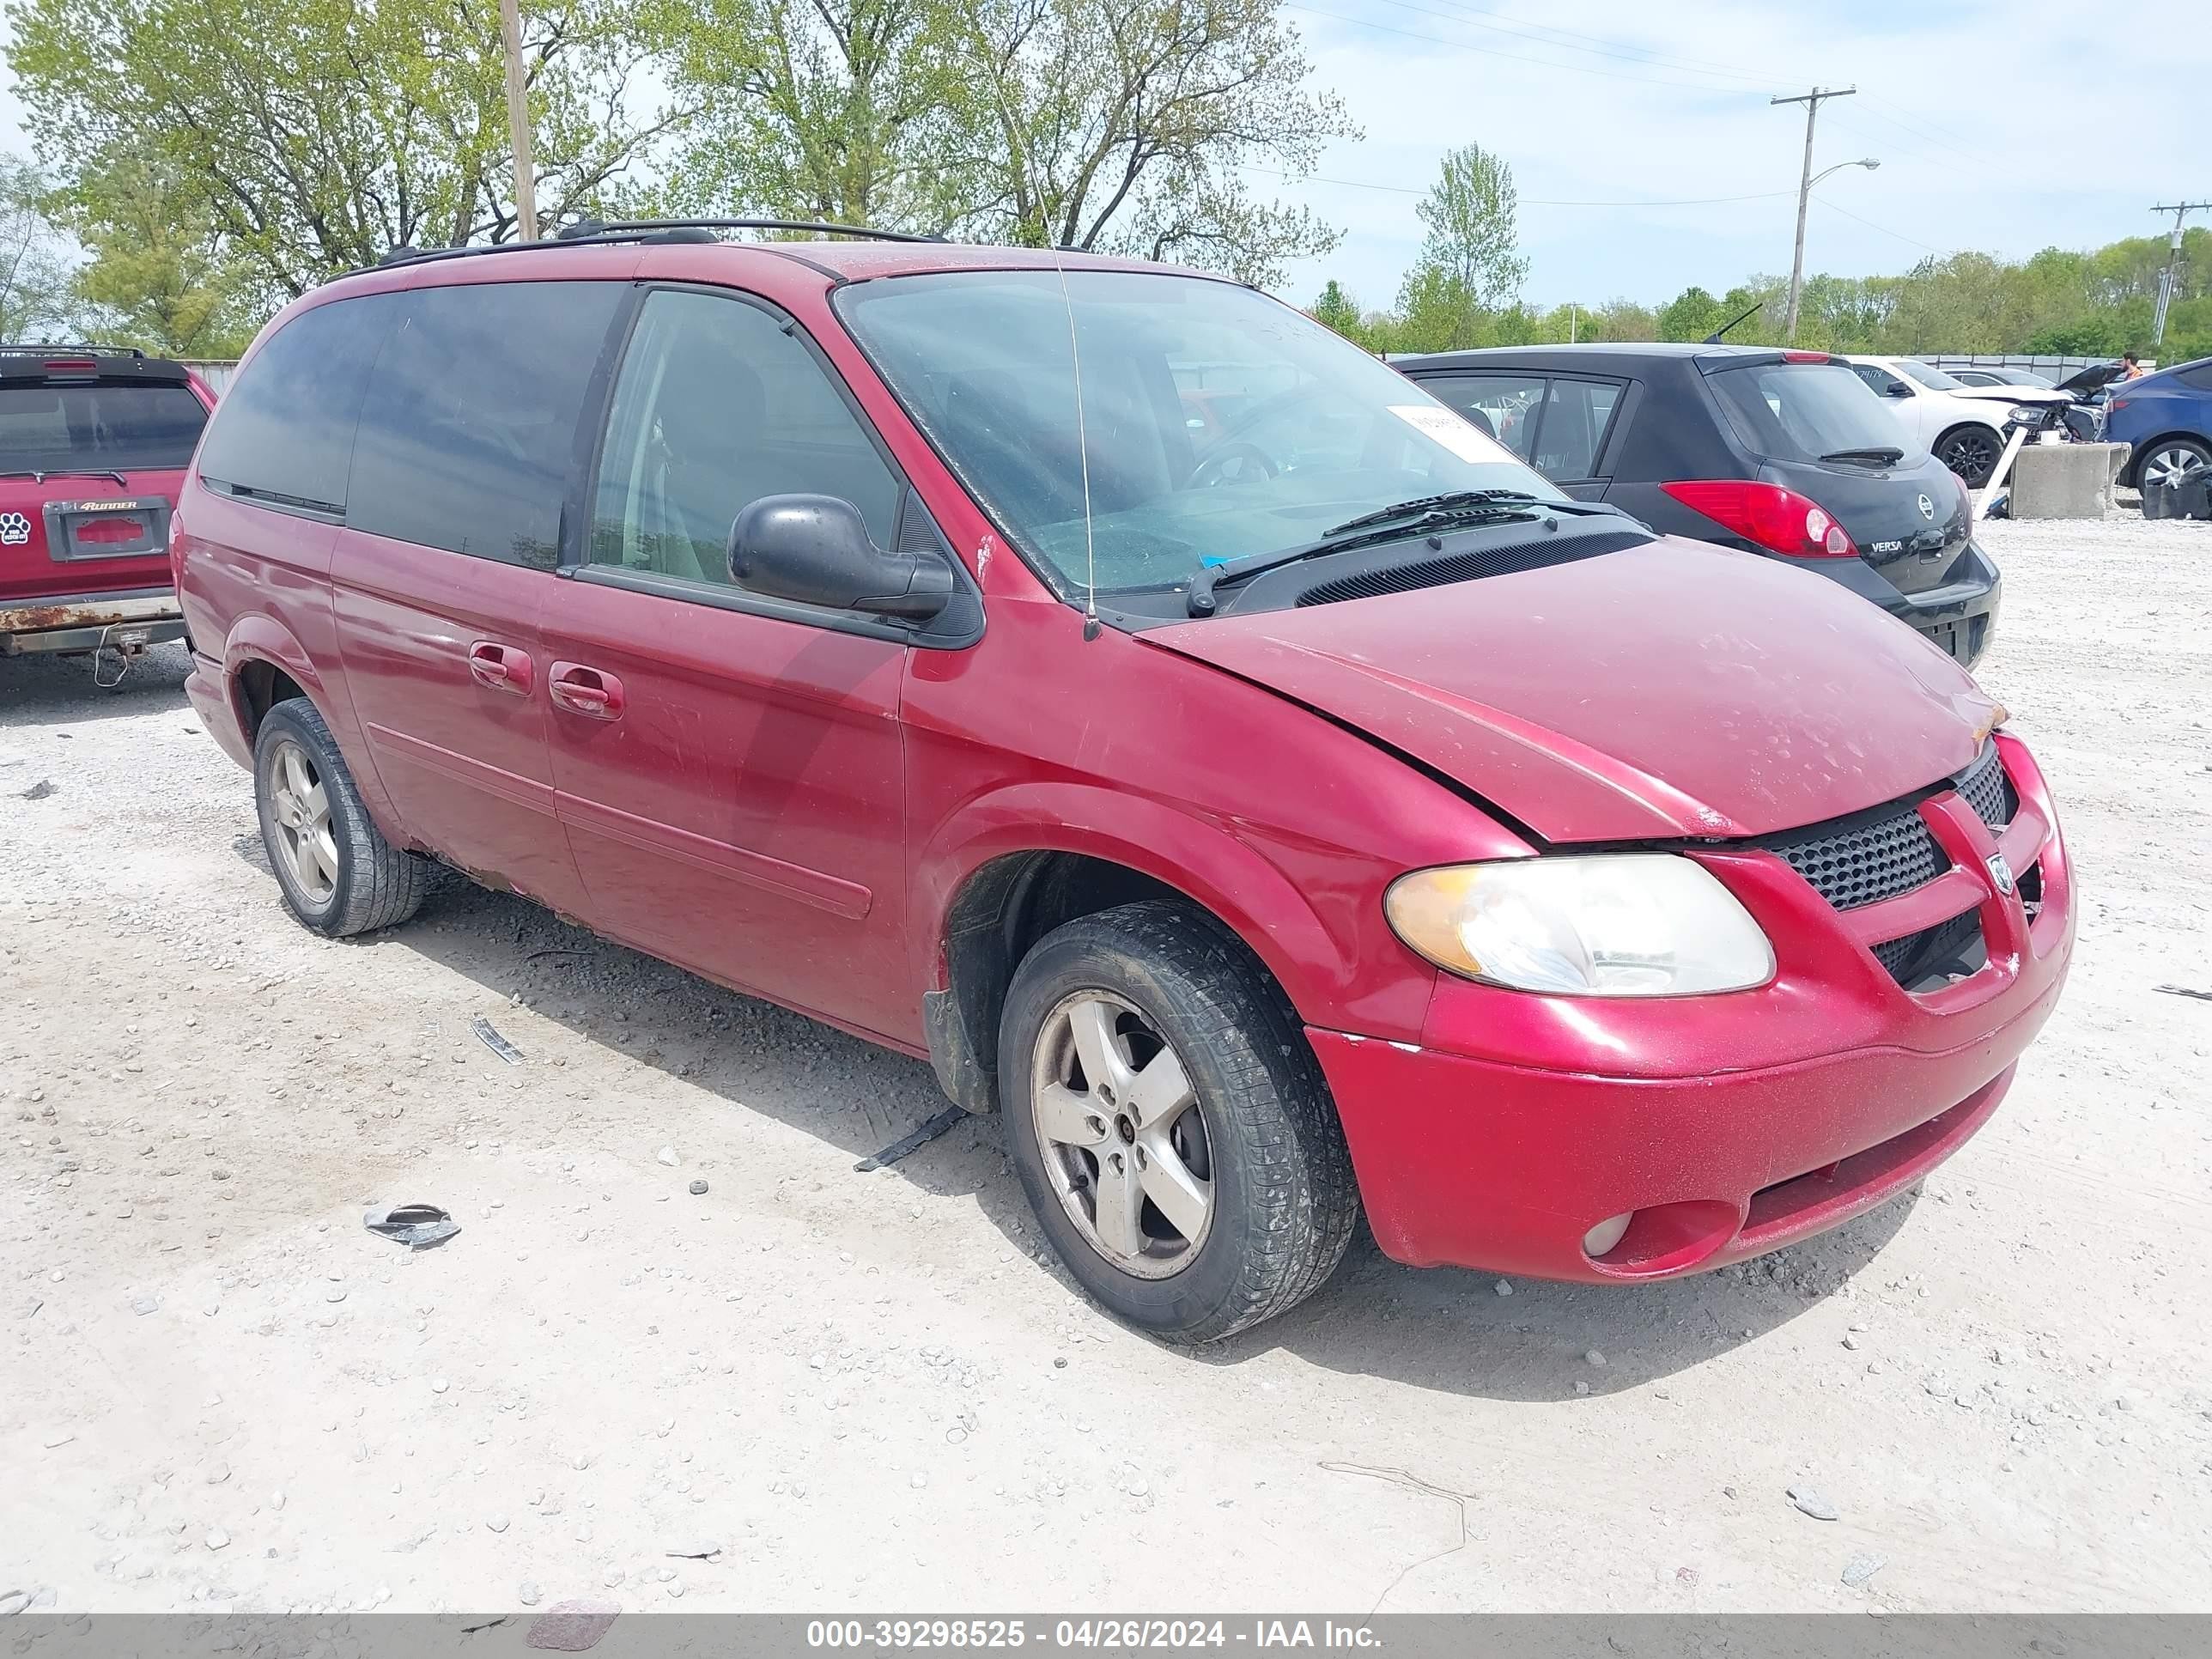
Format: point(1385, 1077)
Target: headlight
point(1610, 925)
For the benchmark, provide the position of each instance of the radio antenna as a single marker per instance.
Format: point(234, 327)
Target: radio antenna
point(1083, 451)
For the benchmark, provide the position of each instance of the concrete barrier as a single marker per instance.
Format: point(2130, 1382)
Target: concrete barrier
point(2065, 481)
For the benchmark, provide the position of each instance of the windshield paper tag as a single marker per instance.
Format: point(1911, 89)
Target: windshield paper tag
point(1461, 436)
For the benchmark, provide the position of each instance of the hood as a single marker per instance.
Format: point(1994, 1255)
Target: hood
point(1673, 689)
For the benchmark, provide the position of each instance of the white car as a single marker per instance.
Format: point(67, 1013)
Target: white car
point(1962, 426)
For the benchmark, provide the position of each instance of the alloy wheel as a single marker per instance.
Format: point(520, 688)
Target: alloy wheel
point(1972, 455)
point(301, 809)
point(2171, 465)
point(1123, 1135)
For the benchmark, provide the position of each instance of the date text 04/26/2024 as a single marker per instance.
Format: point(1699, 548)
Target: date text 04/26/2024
point(1101, 1634)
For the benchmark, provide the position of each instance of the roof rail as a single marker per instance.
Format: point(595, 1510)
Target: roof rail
point(591, 231)
point(28, 348)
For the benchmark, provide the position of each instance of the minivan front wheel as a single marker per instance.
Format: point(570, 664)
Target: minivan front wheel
point(338, 875)
point(1169, 1124)
point(1971, 451)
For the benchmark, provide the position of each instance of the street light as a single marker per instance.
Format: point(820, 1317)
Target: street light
point(1797, 259)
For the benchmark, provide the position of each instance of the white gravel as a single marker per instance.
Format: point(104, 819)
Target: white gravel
point(872, 1392)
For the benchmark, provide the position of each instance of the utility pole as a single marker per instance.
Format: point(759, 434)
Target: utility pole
point(518, 124)
point(2180, 211)
point(1812, 101)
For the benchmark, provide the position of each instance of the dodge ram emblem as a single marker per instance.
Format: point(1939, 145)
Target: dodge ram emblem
point(2001, 873)
point(14, 529)
point(1927, 508)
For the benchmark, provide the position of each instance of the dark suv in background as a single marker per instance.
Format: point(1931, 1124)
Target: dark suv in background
point(1782, 453)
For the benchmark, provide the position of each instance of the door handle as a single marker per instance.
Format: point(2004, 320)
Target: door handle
point(591, 692)
point(502, 667)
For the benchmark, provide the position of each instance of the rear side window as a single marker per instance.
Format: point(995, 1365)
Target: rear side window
point(1502, 405)
point(2196, 376)
point(284, 430)
point(120, 429)
point(1803, 411)
point(468, 434)
point(1572, 428)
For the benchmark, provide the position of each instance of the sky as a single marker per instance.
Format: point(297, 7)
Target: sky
point(2006, 126)
point(2003, 125)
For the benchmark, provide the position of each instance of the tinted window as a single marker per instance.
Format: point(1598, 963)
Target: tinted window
point(1502, 405)
point(1878, 378)
point(468, 434)
point(2196, 375)
point(285, 427)
point(116, 428)
point(1801, 411)
point(718, 406)
point(1575, 416)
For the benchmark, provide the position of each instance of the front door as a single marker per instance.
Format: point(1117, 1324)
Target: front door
point(730, 770)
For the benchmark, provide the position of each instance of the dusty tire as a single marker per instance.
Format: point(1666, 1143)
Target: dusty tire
point(1281, 1202)
point(2170, 461)
point(1971, 451)
point(338, 875)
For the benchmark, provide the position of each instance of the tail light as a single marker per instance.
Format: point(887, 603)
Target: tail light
point(1767, 515)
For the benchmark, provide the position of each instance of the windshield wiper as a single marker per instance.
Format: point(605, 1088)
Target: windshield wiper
point(1425, 505)
point(1361, 532)
point(69, 472)
point(1879, 454)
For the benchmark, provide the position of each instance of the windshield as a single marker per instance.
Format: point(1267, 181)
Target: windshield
point(1803, 411)
point(1219, 424)
point(1933, 379)
point(122, 428)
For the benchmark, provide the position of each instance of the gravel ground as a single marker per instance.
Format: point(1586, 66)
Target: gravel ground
point(809, 1389)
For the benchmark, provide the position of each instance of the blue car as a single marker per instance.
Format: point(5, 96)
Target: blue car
point(2166, 420)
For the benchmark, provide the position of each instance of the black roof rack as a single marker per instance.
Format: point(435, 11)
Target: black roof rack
point(591, 231)
point(41, 348)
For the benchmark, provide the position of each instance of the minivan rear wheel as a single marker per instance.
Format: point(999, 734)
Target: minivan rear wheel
point(1971, 451)
point(338, 875)
point(1170, 1126)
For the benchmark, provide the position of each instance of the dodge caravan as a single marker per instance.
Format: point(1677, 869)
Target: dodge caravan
point(1204, 747)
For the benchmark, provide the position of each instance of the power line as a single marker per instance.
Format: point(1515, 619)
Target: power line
point(1525, 201)
point(1885, 229)
point(1516, 57)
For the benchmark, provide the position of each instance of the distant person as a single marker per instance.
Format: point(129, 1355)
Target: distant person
point(2129, 368)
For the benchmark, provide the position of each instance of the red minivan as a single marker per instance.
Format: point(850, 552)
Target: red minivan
point(1285, 812)
point(93, 441)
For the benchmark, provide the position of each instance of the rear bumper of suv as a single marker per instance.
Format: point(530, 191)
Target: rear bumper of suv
point(86, 621)
point(1722, 1127)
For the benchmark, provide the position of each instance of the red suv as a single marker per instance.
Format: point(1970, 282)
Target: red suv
point(94, 442)
point(1276, 816)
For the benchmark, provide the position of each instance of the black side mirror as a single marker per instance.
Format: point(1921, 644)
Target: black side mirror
point(1897, 389)
point(816, 549)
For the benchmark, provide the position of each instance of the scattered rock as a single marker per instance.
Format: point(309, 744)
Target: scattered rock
point(700, 1549)
point(61, 1438)
point(14, 1602)
point(496, 1522)
point(439, 1385)
point(276, 1500)
point(40, 790)
point(1503, 1287)
point(218, 1539)
point(217, 1473)
point(698, 1189)
point(1595, 1358)
point(1809, 1501)
point(1862, 1567)
point(667, 1155)
point(146, 1304)
point(529, 1595)
point(1580, 1387)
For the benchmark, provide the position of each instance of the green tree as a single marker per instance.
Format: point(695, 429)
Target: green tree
point(1471, 258)
point(1691, 315)
point(1119, 126)
point(37, 301)
point(1337, 309)
point(156, 270)
point(316, 135)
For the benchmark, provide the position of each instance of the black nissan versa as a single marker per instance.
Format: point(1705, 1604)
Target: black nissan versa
point(1784, 452)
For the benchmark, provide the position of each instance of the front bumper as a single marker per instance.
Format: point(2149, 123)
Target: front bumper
point(86, 621)
point(1728, 1125)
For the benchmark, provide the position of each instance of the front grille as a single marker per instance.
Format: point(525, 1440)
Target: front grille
point(1879, 855)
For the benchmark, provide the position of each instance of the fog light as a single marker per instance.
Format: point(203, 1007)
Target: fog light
point(1607, 1234)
